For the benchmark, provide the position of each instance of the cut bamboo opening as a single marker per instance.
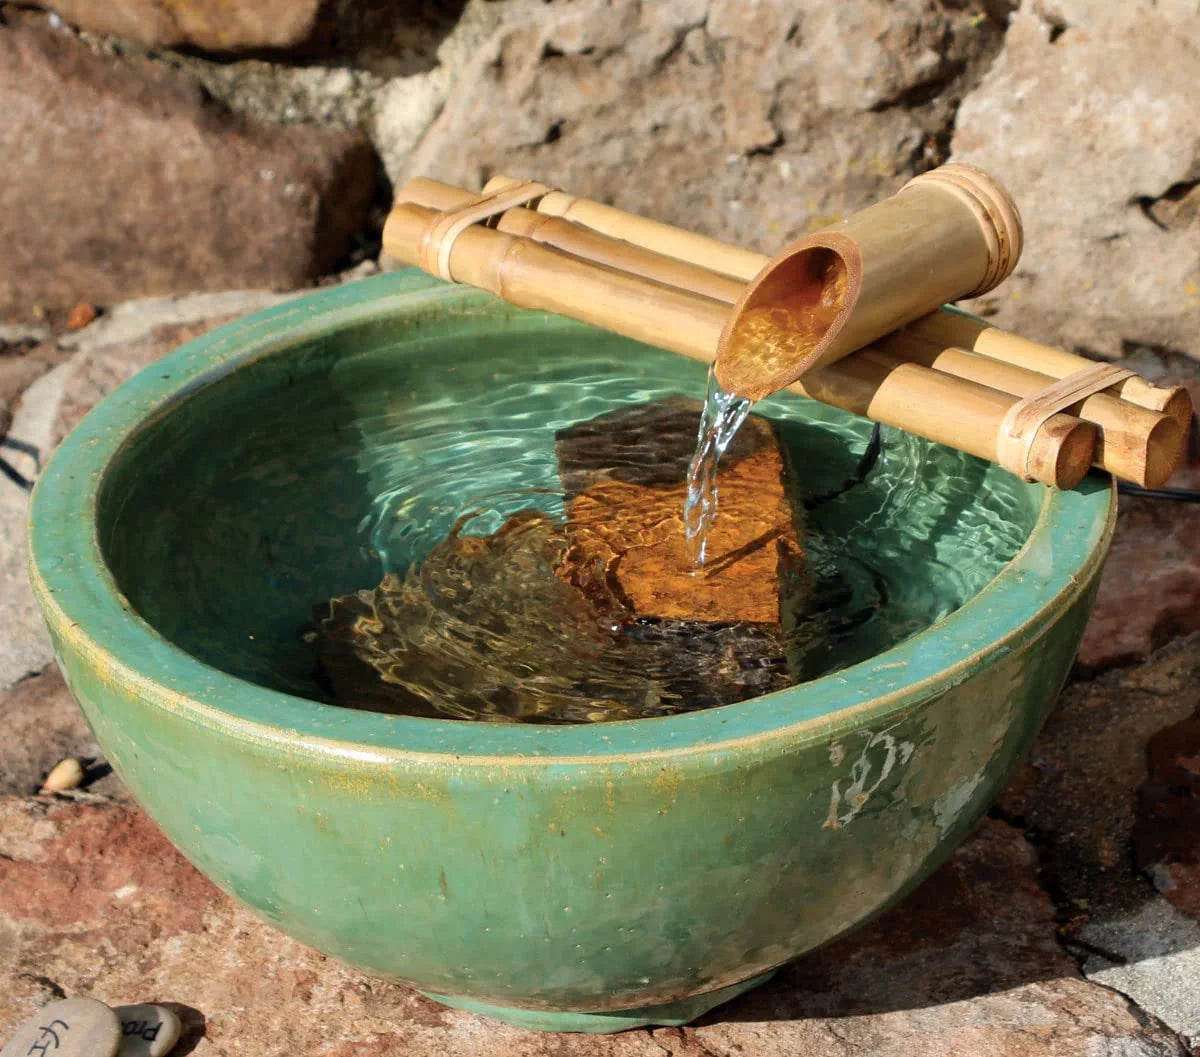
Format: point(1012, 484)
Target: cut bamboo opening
point(944, 326)
point(950, 233)
point(533, 275)
point(1135, 443)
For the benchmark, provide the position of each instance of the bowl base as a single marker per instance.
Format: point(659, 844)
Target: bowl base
point(667, 1015)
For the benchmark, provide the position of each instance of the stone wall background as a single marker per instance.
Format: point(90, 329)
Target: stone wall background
point(154, 148)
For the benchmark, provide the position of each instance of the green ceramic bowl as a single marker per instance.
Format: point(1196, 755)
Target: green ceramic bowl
point(588, 877)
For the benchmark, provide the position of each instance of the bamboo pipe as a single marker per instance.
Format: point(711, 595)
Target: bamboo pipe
point(875, 384)
point(950, 328)
point(945, 326)
point(588, 242)
point(720, 257)
point(952, 232)
point(1135, 444)
point(532, 275)
point(896, 393)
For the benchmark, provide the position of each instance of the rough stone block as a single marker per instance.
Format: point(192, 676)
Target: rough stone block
point(625, 475)
point(122, 180)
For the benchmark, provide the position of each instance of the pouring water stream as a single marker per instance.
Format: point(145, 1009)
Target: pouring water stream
point(722, 416)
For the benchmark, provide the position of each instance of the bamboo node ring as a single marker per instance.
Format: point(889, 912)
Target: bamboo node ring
point(999, 220)
point(1020, 425)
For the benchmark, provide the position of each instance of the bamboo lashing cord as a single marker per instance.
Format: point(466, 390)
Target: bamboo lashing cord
point(438, 240)
point(1024, 419)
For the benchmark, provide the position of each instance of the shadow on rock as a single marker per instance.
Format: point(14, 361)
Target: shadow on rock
point(194, 1025)
point(982, 924)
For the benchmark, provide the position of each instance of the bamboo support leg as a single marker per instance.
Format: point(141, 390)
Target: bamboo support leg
point(1135, 444)
point(948, 328)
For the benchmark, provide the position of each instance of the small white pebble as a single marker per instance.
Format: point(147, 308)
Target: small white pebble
point(67, 774)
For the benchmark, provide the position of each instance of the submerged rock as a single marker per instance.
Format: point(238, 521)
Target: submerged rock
point(598, 617)
point(625, 477)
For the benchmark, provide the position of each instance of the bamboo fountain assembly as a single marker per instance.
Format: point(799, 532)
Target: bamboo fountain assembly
point(849, 316)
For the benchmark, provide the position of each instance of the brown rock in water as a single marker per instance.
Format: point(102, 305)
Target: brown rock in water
point(121, 179)
point(545, 622)
point(625, 475)
point(484, 629)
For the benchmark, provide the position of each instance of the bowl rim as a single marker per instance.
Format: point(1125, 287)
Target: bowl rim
point(89, 616)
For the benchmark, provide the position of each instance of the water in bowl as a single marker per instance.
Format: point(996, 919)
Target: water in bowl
point(333, 471)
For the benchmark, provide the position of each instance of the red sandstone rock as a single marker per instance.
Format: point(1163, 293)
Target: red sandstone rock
point(121, 179)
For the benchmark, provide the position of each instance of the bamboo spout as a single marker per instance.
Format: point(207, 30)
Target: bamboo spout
point(954, 229)
point(835, 291)
point(533, 275)
point(949, 233)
